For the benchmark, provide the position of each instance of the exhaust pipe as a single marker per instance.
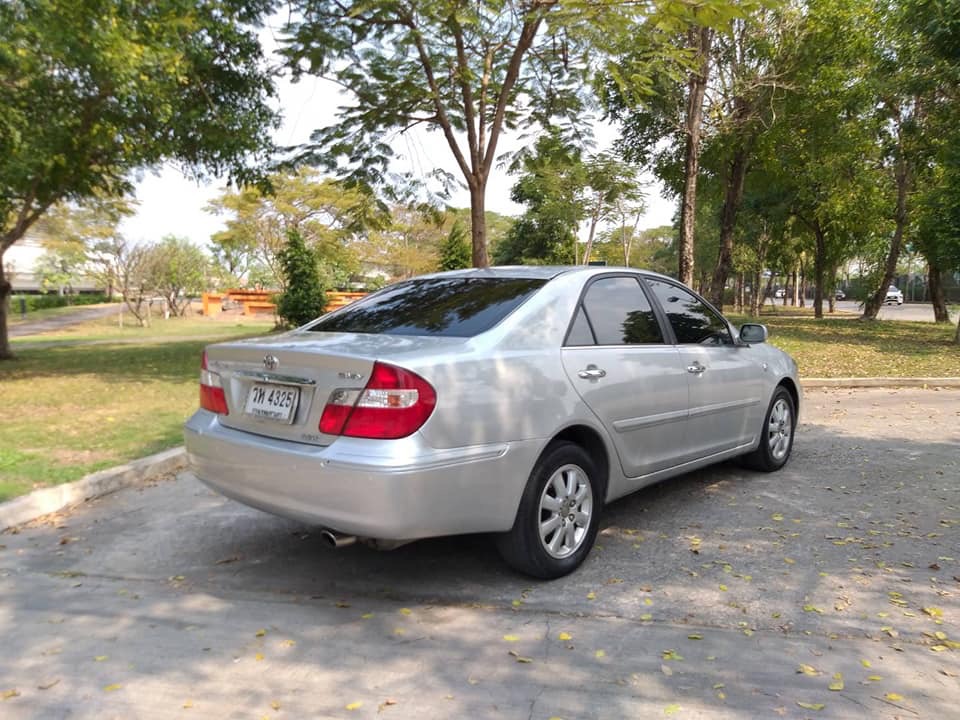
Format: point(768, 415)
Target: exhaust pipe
point(337, 540)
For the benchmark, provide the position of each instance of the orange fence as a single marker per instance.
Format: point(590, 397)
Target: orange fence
point(339, 299)
point(255, 301)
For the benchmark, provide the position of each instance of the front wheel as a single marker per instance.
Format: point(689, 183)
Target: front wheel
point(776, 440)
point(558, 516)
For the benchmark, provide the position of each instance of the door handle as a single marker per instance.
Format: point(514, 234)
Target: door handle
point(592, 371)
point(696, 368)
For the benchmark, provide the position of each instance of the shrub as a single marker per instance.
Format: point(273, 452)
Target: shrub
point(304, 298)
point(43, 302)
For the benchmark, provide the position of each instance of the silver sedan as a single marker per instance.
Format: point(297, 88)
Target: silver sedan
point(516, 401)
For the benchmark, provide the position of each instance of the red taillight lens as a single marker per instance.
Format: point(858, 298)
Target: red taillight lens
point(212, 397)
point(395, 403)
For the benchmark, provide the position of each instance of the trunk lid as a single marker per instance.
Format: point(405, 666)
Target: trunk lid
point(278, 386)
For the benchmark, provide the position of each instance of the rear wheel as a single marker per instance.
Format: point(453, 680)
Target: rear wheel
point(776, 440)
point(558, 517)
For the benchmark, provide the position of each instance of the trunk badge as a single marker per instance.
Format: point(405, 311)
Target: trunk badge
point(349, 376)
point(271, 362)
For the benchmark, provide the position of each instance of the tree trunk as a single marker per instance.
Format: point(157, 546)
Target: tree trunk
point(759, 299)
point(872, 306)
point(594, 219)
point(478, 225)
point(819, 271)
point(5, 291)
point(937, 296)
point(733, 196)
point(795, 289)
point(700, 39)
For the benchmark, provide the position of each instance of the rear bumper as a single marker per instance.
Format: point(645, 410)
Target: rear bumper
point(384, 489)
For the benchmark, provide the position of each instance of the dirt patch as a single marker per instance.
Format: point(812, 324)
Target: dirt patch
point(68, 456)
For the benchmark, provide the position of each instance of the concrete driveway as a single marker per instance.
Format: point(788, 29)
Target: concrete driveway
point(828, 590)
point(59, 322)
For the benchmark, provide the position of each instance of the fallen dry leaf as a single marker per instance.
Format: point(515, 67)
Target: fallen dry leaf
point(811, 706)
point(837, 683)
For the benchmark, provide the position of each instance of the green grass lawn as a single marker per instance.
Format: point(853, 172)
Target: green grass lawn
point(844, 346)
point(71, 408)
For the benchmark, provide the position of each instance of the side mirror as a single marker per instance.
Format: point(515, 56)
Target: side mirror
point(753, 333)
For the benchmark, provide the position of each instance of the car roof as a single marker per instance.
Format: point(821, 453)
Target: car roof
point(544, 272)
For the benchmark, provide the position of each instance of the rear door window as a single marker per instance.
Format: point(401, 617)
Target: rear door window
point(619, 314)
point(448, 307)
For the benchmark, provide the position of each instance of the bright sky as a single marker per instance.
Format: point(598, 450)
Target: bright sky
point(169, 203)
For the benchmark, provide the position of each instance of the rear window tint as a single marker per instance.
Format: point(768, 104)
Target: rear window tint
point(452, 307)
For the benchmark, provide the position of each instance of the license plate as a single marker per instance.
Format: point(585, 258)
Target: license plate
point(275, 402)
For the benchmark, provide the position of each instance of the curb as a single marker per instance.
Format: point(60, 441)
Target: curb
point(49, 500)
point(881, 382)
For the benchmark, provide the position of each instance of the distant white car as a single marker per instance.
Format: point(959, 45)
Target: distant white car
point(894, 295)
point(781, 292)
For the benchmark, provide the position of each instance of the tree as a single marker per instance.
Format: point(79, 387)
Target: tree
point(467, 69)
point(935, 30)
point(129, 269)
point(663, 107)
point(177, 271)
point(754, 63)
point(612, 192)
point(328, 217)
point(455, 250)
point(551, 183)
point(304, 298)
point(71, 232)
point(93, 91)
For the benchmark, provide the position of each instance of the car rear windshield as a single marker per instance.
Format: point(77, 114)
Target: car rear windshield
point(450, 307)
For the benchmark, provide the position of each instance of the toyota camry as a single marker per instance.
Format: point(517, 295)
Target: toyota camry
point(514, 401)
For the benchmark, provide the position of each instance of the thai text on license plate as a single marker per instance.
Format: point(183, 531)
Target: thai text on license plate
point(276, 402)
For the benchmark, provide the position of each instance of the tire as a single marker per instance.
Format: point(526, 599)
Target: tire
point(544, 542)
point(776, 435)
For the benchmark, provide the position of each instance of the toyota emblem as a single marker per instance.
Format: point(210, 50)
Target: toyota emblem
point(270, 362)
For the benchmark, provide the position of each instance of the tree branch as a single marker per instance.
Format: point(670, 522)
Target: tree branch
point(463, 71)
point(527, 34)
point(442, 119)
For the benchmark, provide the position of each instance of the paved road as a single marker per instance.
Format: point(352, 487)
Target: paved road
point(703, 599)
point(59, 322)
point(919, 312)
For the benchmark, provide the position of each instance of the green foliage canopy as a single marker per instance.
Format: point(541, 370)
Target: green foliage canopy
point(93, 91)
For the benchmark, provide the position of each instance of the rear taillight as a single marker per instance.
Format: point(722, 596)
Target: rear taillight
point(395, 403)
point(212, 397)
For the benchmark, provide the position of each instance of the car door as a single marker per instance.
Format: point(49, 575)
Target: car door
point(633, 381)
point(725, 382)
